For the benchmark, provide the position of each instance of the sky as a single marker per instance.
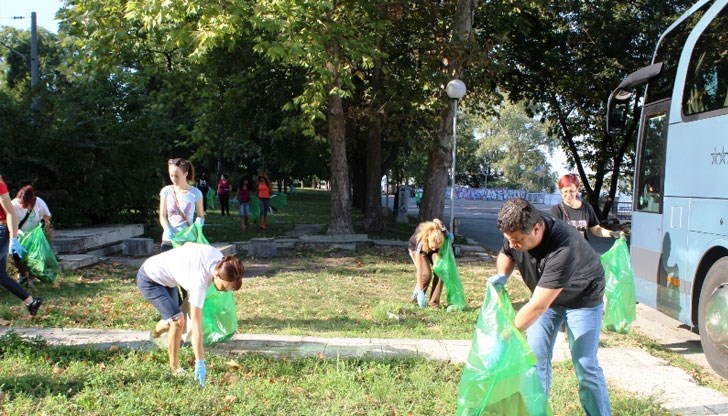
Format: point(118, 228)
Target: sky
point(45, 11)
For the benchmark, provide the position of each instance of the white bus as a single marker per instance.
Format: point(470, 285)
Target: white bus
point(679, 242)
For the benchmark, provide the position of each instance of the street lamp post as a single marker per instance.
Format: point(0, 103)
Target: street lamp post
point(456, 90)
point(34, 74)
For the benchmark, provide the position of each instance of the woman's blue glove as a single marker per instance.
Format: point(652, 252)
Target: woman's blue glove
point(498, 279)
point(450, 235)
point(169, 234)
point(200, 221)
point(15, 248)
point(200, 372)
point(420, 298)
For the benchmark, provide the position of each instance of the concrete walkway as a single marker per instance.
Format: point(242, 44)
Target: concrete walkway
point(629, 368)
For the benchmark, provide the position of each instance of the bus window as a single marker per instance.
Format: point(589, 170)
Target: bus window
point(668, 52)
point(706, 86)
point(650, 171)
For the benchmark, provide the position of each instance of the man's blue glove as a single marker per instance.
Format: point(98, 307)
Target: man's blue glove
point(200, 372)
point(15, 248)
point(200, 221)
point(420, 298)
point(498, 279)
point(169, 234)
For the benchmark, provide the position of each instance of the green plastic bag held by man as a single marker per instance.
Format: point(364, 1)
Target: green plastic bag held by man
point(219, 319)
point(447, 270)
point(39, 260)
point(500, 377)
point(620, 309)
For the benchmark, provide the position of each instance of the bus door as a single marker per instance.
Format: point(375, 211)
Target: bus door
point(648, 237)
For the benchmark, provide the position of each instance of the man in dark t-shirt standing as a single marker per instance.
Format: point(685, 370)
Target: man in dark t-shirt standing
point(566, 280)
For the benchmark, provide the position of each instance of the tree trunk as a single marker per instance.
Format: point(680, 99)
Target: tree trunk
point(357, 168)
point(373, 220)
point(433, 197)
point(340, 221)
point(433, 200)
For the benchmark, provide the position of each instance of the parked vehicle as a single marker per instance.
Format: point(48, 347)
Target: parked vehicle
point(679, 242)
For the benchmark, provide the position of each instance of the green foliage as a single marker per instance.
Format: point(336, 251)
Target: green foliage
point(87, 151)
point(567, 57)
point(515, 147)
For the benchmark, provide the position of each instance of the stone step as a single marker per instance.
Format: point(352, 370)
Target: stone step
point(76, 261)
point(80, 240)
point(107, 250)
point(335, 238)
point(226, 249)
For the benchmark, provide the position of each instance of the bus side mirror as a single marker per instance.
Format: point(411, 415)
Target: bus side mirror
point(618, 108)
point(618, 105)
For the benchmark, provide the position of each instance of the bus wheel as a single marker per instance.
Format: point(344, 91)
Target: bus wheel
point(713, 317)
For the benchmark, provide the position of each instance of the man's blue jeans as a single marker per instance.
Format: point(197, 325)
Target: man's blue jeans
point(583, 326)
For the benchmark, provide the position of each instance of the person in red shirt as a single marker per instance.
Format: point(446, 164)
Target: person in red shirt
point(9, 245)
point(223, 194)
point(264, 196)
point(244, 199)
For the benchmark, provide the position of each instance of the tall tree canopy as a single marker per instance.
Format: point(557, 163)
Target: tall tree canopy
point(567, 57)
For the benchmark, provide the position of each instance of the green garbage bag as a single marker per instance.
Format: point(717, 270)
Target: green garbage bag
point(446, 268)
point(210, 198)
point(499, 377)
point(620, 309)
point(193, 233)
point(254, 208)
point(219, 320)
point(39, 257)
point(278, 201)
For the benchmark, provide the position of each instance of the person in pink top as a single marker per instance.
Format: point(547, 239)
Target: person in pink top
point(223, 194)
point(264, 196)
point(244, 199)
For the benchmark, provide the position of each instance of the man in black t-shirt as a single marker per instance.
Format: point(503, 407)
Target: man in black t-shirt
point(567, 282)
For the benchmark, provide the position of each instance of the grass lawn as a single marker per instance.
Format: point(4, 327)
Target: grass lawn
point(325, 293)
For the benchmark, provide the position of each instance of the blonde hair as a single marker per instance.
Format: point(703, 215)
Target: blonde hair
point(430, 230)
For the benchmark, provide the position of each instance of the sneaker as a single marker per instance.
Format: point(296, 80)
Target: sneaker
point(34, 306)
point(179, 372)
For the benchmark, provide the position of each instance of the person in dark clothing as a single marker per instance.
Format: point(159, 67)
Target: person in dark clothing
point(223, 194)
point(577, 213)
point(204, 187)
point(567, 283)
